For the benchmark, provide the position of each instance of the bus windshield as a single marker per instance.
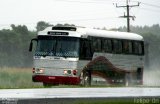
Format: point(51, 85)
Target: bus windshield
point(57, 46)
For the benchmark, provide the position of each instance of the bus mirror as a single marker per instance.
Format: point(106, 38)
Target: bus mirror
point(31, 45)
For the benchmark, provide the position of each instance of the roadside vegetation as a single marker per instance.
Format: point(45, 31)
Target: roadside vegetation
point(17, 78)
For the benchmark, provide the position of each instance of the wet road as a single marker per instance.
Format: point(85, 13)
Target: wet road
point(79, 92)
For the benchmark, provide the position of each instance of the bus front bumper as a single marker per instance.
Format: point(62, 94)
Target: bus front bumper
point(56, 79)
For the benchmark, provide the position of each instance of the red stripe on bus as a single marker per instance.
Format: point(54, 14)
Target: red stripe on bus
point(56, 79)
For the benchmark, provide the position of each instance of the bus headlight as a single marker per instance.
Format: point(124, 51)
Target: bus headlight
point(67, 72)
point(70, 72)
point(39, 70)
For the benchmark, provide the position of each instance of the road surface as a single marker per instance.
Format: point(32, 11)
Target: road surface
point(76, 93)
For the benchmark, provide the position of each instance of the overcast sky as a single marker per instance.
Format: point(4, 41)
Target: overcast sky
point(87, 13)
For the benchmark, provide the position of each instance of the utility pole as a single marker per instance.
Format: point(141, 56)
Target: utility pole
point(128, 15)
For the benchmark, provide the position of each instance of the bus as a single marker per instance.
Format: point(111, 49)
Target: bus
point(79, 55)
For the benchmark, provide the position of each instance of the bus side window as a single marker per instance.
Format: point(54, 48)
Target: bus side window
point(117, 46)
point(137, 48)
point(130, 47)
point(127, 47)
point(85, 50)
point(107, 45)
point(96, 44)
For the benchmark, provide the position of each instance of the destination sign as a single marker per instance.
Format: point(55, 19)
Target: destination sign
point(58, 33)
point(64, 28)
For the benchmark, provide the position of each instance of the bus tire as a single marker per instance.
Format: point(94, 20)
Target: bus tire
point(126, 83)
point(86, 81)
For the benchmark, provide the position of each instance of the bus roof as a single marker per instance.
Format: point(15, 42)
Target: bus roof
point(85, 32)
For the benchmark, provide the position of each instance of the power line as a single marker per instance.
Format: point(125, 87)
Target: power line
point(89, 19)
point(148, 9)
point(152, 5)
point(100, 2)
point(95, 1)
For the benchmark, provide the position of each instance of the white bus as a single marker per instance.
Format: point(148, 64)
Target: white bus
point(78, 55)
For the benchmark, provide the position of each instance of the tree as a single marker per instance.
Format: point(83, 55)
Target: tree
point(41, 25)
point(20, 29)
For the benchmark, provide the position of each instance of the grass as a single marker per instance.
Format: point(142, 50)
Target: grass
point(120, 101)
point(106, 102)
point(14, 78)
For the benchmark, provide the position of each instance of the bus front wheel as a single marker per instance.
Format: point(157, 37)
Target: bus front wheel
point(86, 81)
